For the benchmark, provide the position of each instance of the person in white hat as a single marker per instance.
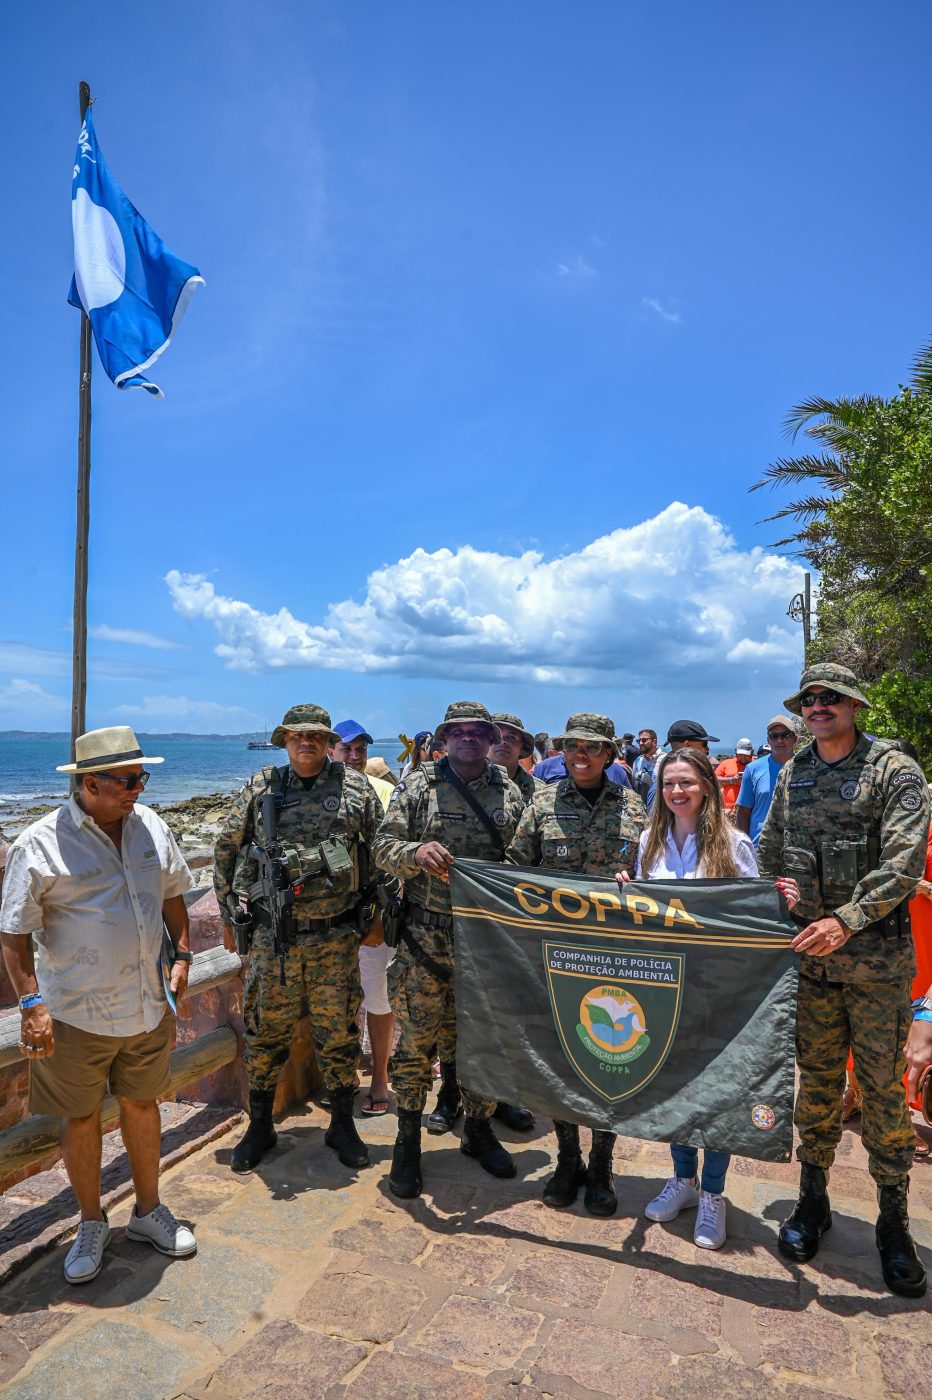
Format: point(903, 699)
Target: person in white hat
point(730, 772)
point(85, 893)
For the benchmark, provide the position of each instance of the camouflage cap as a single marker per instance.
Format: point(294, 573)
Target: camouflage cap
point(831, 675)
point(527, 738)
point(468, 712)
point(306, 719)
point(589, 726)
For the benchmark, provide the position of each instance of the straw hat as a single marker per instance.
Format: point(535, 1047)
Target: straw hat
point(100, 749)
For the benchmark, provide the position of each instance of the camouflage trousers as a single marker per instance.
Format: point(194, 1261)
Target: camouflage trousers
point(425, 1009)
point(321, 982)
point(872, 1018)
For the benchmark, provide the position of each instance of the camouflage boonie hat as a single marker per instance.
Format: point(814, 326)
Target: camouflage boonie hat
point(830, 675)
point(468, 712)
point(527, 738)
point(589, 726)
point(308, 719)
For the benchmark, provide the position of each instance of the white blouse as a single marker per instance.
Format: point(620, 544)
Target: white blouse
point(675, 864)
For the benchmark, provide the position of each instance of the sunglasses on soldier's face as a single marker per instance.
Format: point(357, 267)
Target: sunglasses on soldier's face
point(588, 746)
point(822, 697)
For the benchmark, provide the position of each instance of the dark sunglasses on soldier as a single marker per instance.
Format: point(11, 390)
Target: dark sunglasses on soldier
point(822, 697)
point(588, 746)
point(130, 781)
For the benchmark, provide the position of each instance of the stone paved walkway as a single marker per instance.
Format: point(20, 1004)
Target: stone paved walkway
point(308, 1283)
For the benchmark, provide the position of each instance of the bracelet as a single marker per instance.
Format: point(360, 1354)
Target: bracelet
point(182, 956)
point(922, 1015)
point(29, 1000)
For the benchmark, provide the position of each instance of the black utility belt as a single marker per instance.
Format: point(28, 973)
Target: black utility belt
point(296, 924)
point(428, 918)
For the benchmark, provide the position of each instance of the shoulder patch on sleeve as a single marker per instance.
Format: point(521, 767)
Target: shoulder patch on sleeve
point(910, 799)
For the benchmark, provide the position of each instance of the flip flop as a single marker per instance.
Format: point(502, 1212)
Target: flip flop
point(922, 1148)
point(373, 1108)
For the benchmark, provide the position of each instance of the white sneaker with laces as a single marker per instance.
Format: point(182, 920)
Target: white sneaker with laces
point(161, 1229)
point(85, 1258)
point(680, 1193)
point(710, 1228)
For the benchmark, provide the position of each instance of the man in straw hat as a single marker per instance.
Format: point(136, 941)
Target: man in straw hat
point(849, 821)
point(459, 806)
point(86, 890)
point(327, 817)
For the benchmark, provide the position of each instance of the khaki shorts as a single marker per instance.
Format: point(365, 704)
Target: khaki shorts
point(73, 1081)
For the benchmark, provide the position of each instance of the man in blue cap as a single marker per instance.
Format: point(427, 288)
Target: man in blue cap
point(352, 749)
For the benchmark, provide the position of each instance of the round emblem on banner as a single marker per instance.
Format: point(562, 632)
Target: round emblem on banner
point(850, 789)
point(499, 817)
point(763, 1116)
point(561, 851)
point(910, 800)
point(331, 803)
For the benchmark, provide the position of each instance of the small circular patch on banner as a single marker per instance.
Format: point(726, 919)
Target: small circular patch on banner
point(561, 850)
point(331, 803)
point(763, 1116)
point(499, 817)
point(910, 800)
point(850, 789)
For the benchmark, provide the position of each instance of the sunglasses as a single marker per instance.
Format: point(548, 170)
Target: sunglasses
point(588, 746)
point(130, 781)
point(780, 736)
point(823, 697)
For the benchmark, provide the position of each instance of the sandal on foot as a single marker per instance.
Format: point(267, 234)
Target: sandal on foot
point(373, 1108)
point(850, 1104)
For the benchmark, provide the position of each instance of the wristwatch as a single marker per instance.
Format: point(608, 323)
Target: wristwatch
point(182, 956)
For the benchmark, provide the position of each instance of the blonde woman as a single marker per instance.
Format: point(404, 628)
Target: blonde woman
point(690, 838)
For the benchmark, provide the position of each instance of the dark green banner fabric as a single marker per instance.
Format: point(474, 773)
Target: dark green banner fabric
point(662, 1010)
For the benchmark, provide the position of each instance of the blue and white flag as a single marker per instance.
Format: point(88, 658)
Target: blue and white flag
point(132, 287)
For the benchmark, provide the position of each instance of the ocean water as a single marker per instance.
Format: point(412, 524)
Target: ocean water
point(194, 766)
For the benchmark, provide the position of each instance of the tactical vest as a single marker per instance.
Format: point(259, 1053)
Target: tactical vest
point(320, 829)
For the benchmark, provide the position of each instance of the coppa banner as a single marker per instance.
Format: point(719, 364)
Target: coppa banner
point(662, 1010)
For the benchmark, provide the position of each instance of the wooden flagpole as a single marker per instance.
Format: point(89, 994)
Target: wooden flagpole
point(82, 529)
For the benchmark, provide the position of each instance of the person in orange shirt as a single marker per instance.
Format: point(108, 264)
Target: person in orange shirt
point(729, 773)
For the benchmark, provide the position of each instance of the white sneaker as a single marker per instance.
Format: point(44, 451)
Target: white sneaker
point(85, 1258)
point(710, 1222)
point(161, 1229)
point(680, 1193)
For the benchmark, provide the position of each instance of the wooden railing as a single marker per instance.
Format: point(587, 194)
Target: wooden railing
point(37, 1136)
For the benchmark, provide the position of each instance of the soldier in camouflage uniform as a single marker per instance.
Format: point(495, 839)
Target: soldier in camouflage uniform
point(328, 818)
point(589, 826)
point(429, 822)
point(849, 821)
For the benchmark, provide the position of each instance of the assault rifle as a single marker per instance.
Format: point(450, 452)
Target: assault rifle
point(279, 879)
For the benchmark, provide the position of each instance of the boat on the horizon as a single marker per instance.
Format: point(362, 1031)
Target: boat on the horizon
point(262, 743)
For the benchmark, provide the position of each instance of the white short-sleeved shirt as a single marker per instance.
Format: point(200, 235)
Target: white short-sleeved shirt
point(683, 865)
point(96, 915)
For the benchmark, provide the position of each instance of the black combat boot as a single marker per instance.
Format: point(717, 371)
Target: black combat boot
point(800, 1233)
point(342, 1135)
point(480, 1142)
point(600, 1198)
point(563, 1187)
point(449, 1105)
point(404, 1179)
point(902, 1268)
point(518, 1119)
point(260, 1136)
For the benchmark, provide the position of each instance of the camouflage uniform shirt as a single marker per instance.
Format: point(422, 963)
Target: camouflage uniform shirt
point(526, 783)
point(853, 834)
point(560, 830)
point(425, 807)
point(338, 804)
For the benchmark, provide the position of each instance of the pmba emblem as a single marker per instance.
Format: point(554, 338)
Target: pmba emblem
point(616, 1013)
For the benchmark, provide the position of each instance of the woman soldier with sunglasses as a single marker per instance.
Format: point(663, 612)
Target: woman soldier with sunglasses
point(849, 820)
point(589, 826)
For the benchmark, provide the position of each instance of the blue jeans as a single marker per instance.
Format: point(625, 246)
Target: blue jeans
point(714, 1166)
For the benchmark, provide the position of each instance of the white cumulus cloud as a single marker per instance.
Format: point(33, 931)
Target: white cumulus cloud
point(671, 599)
point(29, 698)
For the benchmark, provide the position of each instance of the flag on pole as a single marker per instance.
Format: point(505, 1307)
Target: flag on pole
point(134, 290)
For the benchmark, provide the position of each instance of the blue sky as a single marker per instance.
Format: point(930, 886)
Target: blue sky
point(505, 306)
